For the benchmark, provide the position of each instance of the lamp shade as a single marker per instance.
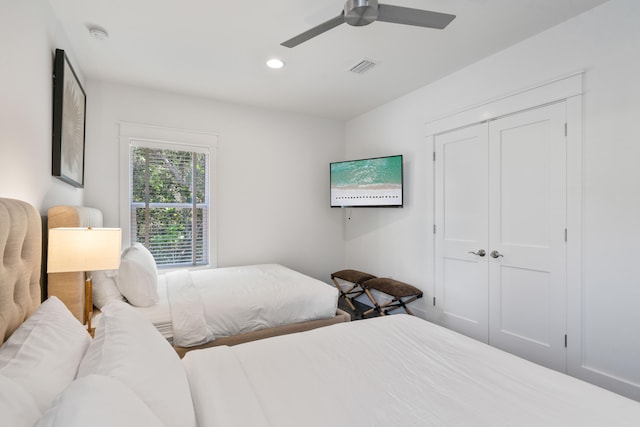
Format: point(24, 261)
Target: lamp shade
point(83, 249)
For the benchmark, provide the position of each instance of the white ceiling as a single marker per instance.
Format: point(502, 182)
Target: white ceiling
point(217, 49)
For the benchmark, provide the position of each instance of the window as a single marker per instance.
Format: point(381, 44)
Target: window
point(168, 198)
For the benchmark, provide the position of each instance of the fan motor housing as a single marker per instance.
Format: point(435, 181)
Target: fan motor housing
point(360, 12)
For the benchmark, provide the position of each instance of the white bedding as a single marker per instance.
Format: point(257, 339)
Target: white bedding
point(221, 302)
point(393, 370)
point(160, 314)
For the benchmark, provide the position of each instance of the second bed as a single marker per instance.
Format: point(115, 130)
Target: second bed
point(231, 305)
point(209, 307)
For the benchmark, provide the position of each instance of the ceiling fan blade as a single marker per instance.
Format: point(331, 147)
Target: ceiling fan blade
point(417, 17)
point(315, 31)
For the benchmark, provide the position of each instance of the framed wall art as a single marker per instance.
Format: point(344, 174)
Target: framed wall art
point(69, 108)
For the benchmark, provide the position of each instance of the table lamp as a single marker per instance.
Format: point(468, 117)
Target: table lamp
point(84, 249)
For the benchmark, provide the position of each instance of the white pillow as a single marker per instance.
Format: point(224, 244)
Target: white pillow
point(98, 401)
point(43, 354)
point(127, 347)
point(16, 405)
point(138, 277)
point(105, 288)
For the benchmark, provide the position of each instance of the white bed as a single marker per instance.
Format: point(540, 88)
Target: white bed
point(226, 306)
point(392, 370)
point(158, 314)
point(210, 304)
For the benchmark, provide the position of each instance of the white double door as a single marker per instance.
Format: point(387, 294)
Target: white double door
point(500, 245)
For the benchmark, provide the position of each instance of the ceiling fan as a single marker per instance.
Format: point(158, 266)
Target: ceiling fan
point(364, 12)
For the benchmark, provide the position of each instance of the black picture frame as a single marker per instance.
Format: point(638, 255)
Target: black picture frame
point(69, 118)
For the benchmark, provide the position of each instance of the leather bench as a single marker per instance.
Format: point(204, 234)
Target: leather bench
point(356, 278)
point(362, 283)
point(401, 293)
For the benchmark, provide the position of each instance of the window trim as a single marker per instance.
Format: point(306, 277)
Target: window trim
point(176, 138)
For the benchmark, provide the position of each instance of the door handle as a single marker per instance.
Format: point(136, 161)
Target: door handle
point(480, 253)
point(495, 254)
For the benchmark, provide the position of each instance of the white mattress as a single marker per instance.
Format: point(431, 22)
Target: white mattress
point(393, 370)
point(160, 313)
point(213, 303)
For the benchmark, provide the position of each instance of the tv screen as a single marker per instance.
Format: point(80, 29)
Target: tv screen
point(373, 182)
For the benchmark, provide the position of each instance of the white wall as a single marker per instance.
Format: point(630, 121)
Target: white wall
point(605, 43)
point(29, 35)
point(273, 173)
point(273, 176)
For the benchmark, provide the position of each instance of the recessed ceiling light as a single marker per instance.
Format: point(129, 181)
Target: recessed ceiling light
point(98, 33)
point(275, 63)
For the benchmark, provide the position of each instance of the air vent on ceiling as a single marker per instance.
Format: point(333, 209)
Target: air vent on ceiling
point(362, 66)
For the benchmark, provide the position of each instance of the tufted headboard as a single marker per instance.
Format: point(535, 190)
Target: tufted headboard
point(21, 250)
point(69, 287)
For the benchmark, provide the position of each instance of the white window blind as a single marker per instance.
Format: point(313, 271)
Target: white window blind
point(169, 201)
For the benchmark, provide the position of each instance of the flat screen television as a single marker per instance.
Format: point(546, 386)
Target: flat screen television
point(375, 182)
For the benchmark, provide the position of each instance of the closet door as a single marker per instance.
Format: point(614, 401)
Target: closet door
point(461, 215)
point(527, 248)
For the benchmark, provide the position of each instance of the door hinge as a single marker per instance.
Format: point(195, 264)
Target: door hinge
point(434, 301)
point(565, 234)
point(565, 129)
point(434, 229)
point(565, 341)
point(434, 156)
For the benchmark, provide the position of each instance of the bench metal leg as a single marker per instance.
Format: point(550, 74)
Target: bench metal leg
point(376, 306)
point(389, 306)
point(350, 294)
